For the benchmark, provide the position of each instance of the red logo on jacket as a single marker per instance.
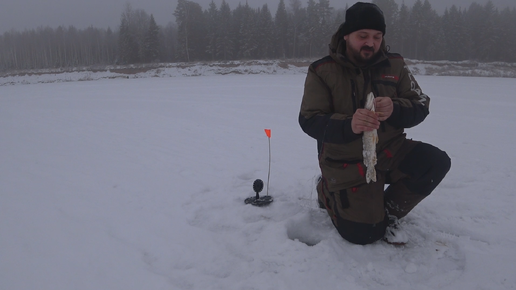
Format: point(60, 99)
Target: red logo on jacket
point(390, 77)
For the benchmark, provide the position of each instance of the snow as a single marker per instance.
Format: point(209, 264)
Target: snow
point(154, 70)
point(276, 67)
point(140, 184)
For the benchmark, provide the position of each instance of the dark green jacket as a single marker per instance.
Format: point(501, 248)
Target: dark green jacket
point(335, 88)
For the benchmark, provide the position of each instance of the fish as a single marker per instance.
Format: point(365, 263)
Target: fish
point(369, 140)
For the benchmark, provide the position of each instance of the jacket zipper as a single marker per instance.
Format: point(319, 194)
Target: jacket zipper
point(367, 79)
point(354, 95)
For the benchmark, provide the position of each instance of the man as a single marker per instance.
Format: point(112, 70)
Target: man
point(332, 111)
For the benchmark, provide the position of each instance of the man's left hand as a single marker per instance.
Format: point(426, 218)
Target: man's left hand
point(383, 107)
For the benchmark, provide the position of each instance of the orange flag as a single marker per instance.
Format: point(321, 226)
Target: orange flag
point(268, 132)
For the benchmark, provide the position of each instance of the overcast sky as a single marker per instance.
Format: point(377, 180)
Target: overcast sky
point(28, 14)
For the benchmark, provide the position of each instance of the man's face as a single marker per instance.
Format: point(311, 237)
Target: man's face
point(363, 45)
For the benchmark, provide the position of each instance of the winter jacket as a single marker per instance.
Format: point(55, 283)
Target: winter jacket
point(335, 88)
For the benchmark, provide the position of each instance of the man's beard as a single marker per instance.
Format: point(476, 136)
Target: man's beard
point(368, 57)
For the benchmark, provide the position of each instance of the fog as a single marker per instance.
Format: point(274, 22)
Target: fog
point(28, 14)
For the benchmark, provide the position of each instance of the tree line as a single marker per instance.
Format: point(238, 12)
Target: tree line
point(480, 32)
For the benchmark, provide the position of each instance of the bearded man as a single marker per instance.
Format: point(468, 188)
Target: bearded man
point(333, 113)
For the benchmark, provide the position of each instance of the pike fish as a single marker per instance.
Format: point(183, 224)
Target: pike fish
point(369, 140)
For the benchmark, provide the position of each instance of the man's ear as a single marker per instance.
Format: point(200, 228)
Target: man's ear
point(346, 37)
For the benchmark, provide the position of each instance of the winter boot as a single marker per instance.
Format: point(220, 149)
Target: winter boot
point(395, 234)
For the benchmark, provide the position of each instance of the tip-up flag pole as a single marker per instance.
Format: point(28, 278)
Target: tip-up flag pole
point(258, 183)
point(268, 133)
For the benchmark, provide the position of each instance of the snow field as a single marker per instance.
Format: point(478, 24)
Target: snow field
point(140, 183)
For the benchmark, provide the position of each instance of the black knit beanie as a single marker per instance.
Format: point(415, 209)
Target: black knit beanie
point(363, 16)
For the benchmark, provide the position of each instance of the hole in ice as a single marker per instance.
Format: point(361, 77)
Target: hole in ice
point(307, 229)
point(302, 235)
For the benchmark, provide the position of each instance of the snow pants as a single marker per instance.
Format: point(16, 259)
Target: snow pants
point(419, 168)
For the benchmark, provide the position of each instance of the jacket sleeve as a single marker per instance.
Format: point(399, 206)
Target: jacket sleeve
point(411, 105)
point(317, 117)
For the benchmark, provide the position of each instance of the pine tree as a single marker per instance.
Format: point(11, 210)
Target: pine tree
point(437, 48)
point(416, 31)
point(191, 30)
point(152, 41)
point(312, 27)
point(489, 38)
point(237, 20)
point(391, 13)
point(326, 27)
point(139, 24)
point(402, 45)
point(297, 22)
point(168, 43)
point(182, 14)
point(225, 42)
point(507, 35)
point(134, 27)
point(244, 22)
point(212, 18)
point(111, 44)
point(431, 24)
point(454, 35)
point(264, 33)
point(340, 17)
point(127, 45)
point(281, 26)
point(474, 22)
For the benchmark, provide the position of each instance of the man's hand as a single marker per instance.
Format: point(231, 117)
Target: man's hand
point(364, 120)
point(383, 107)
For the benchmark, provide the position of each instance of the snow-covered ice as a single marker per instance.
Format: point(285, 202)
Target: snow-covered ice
point(140, 184)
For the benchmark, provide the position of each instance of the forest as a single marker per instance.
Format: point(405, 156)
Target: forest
point(480, 32)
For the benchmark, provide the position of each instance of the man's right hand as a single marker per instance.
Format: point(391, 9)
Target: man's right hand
point(364, 120)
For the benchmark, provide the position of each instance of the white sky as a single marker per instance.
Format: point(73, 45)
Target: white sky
point(28, 14)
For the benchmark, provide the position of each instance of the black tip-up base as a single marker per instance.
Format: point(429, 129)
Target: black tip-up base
point(257, 200)
point(261, 201)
